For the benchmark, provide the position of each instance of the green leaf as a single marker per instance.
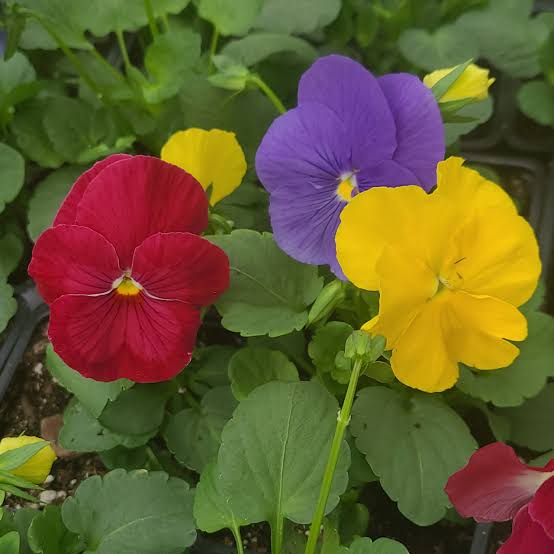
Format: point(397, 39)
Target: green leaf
point(230, 75)
point(273, 453)
point(479, 112)
point(11, 252)
point(8, 304)
point(297, 16)
point(149, 513)
point(251, 367)
point(212, 508)
point(269, 292)
point(48, 535)
point(139, 410)
point(9, 543)
point(413, 444)
point(208, 368)
point(446, 47)
point(168, 60)
point(531, 423)
point(194, 435)
point(17, 83)
point(536, 100)
point(256, 47)
point(31, 136)
point(47, 199)
point(12, 459)
point(327, 342)
point(364, 545)
point(506, 36)
point(543, 459)
point(293, 346)
point(528, 374)
point(106, 16)
point(93, 395)
point(12, 174)
point(246, 207)
point(126, 458)
point(230, 18)
point(81, 432)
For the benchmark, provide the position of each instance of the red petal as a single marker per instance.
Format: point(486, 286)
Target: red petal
point(181, 266)
point(113, 336)
point(528, 537)
point(69, 259)
point(494, 485)
point(541, 508)
point(138, 197)
point(68, 210)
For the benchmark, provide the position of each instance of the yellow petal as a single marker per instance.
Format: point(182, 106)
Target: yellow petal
point(478, 326)
point(213, 157)
point(474, 82)
point(37, 468)
point(499, 256)
point(373, 219)
point(421, 358)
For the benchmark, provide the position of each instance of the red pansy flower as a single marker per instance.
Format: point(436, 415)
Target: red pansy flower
point(125, 272)
point(496, 486)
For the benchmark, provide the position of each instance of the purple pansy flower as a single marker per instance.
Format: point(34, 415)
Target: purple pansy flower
point(350, 132)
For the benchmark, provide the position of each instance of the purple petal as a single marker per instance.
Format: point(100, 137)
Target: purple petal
point(419, 127)
point(305, 227)
point(354, 94)
point(385, 174)
point(304, 149)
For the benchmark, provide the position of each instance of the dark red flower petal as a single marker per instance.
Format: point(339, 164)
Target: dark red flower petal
point(181, 266)
point(113, 336)
point(138, 197)
point(541, 508)
point(528, 537)
point(494, 485)
point(68, 259)
point(68, 210)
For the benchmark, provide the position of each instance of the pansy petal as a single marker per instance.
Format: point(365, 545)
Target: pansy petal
point(213, 157)
point(420, 358)
point(527, 536)
point(478, 327)
point(138, 197)
point(181, 266)
point(419, 126)
point(303, 150)
point(68, 259)
point(387, 173)
point(499, 256)
point(494, 485)
point(373, 219)
point(305, 229)
point(139, 338)
point(541, 508)
point(67, 213)
point(354, 94)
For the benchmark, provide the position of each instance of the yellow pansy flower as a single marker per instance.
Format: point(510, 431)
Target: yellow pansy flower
point(474, 83)
point(213, 157)
point(451, 268)
point(37, 468)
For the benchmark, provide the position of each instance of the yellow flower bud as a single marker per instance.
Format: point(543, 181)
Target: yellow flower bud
point(474, 83)
point(37, 468)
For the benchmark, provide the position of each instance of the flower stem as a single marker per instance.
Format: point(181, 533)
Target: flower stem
point(108, 65)
point(123, 48)
point(277, 531)
point(235, 529)
point(264, 87)
point(343, 420)
point(213, 47)
point(151, 19)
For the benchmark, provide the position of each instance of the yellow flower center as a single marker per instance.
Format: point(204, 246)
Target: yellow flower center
point(128, 287)
point(347, 187)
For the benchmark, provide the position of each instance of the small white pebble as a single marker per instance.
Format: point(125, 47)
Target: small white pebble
point(72, 482)
point(48, 496)
point(37, 370)
point(61, 494)
point(49, 479)
point(182, 390)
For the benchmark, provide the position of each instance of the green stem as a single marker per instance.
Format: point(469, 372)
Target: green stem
point(108, 65)
point(256, 79)
point(213, 47)
point(192, 401)
point(151, 19)
point(123, 48)
point(277, 536)
point(156, 465)
point(235, 529)
point(343, 420)
point(165, 21)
